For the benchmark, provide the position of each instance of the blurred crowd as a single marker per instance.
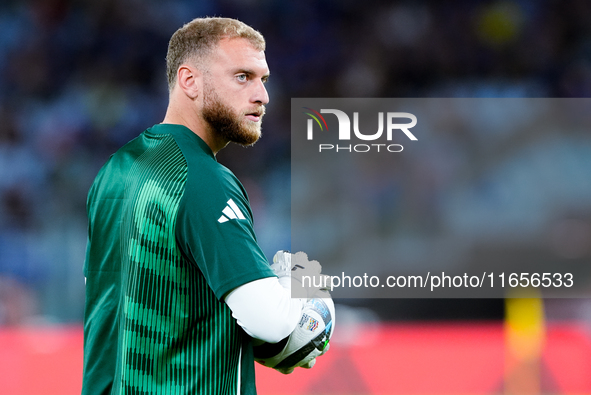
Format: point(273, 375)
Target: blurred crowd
point(79, 78)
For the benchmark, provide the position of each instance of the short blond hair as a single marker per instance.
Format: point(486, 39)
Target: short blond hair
point(196, 39)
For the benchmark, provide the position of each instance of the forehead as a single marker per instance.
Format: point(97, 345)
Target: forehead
point(236, 54)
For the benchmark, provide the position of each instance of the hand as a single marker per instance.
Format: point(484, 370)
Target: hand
point(307, 365)
point(311, 363)
point(286, 370)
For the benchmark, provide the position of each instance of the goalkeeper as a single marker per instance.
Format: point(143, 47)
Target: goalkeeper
point(177, 286)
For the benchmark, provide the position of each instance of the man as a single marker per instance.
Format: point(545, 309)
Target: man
point(177, 287)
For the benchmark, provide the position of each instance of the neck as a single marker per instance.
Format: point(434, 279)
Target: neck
point(187, 116)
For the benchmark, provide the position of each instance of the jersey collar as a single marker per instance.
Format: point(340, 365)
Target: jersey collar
point(169, 128)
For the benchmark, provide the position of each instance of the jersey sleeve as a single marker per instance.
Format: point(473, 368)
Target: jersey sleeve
point(215, 231)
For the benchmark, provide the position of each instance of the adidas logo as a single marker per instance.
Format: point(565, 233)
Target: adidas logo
point(231, 211)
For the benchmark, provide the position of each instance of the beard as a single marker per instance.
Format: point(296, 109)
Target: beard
point(225, 123)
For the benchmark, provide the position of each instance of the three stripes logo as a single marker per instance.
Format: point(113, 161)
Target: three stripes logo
point(231, 211)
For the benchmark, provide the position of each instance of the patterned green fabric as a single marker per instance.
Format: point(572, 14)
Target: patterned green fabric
point(158, 265)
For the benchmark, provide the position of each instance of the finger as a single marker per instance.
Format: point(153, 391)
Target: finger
point(286, 370)
point(310, 364)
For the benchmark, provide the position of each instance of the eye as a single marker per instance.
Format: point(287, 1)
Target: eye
point(242, 77)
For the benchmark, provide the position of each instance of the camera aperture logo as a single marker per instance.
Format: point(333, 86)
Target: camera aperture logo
point(391, 119)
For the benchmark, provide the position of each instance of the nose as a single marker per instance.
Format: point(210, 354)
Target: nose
point(260, 94)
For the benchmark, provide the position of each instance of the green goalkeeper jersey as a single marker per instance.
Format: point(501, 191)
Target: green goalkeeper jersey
point(170, 234)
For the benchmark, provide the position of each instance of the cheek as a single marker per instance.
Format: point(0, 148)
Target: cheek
point(238, 104)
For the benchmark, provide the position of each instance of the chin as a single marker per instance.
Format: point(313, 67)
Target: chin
point(252, 141)
point(251, 135)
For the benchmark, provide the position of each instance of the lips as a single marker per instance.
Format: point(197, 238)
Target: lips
point(255, 115)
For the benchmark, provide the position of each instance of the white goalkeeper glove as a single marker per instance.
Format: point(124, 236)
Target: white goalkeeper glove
point(307, 365)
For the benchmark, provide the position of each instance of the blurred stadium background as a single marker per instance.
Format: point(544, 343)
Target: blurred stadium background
point(80, 78)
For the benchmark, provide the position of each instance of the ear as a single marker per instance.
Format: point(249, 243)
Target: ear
point(189, 80)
